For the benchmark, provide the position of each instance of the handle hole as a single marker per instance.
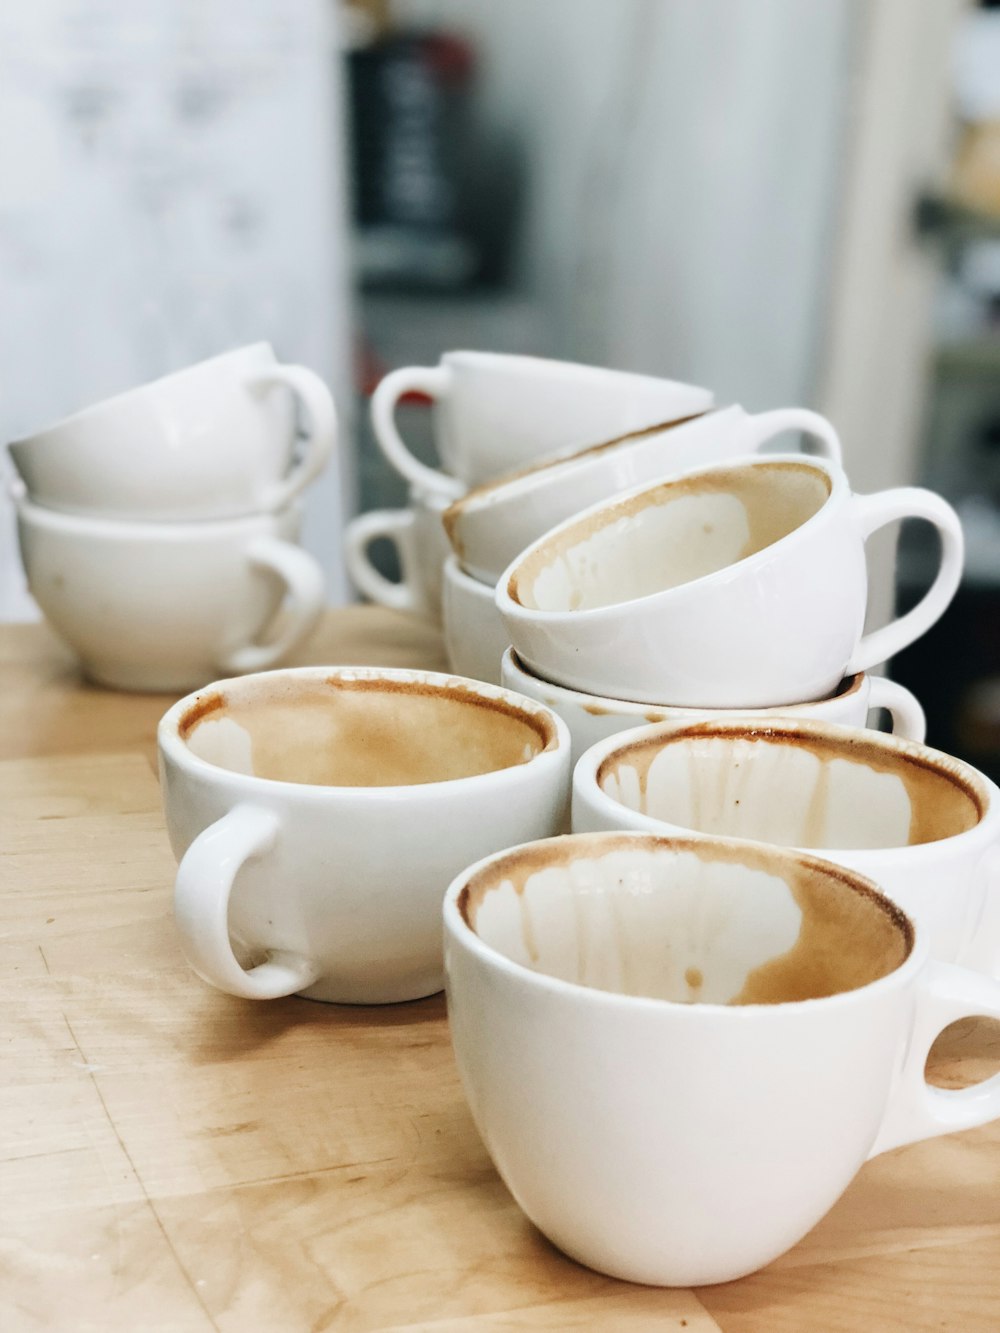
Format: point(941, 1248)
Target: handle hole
point(967, 1052)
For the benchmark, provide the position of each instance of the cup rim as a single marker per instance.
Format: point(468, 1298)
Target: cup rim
point(491, 495)
point(466, 937)
point(839, 492)
point(454, 573)
point(593, 703)
point(978, 787)
point(118, 400)
point(107, 527)
point(172, 746)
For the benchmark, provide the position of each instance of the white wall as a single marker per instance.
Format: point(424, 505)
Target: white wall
point(683, 167)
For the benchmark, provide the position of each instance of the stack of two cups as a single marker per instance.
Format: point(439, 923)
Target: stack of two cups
point(158, 529)
point(492, 413)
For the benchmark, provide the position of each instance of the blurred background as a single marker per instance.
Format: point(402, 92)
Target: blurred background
point(790, 203)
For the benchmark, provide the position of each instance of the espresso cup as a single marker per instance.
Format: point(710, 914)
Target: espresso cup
point(680, 1052)
point(591, 718)
point(421, 547)
point(489, 526)
point(212, 441)
point(475, 637)
point(923, 825)
point(494, 412)
point(742, 585)
point(318, 815)
point(167, 606)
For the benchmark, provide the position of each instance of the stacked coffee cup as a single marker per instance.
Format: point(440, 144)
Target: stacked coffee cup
point(159, 529)
point(492, 413)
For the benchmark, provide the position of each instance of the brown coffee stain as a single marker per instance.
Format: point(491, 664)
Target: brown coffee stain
point(595, 710)
point(204, 706)
point(849, 936)
point(777, 497)
point(375, 732)
point(944, 798)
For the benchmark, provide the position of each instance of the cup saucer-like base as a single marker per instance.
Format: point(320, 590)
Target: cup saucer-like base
point(328, 990)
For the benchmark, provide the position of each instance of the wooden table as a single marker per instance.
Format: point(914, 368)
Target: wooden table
point(175, 1158)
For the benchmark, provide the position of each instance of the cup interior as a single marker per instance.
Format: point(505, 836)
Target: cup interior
point(357, 730)
point(668, 535)
point(795, 787)
point(685, 920)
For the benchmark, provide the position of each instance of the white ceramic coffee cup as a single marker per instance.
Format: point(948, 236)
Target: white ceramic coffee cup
point(475, 637)
point(422, 548)
point(923, 825)
point(318, 815)
point(492, 524)
point(212, 441)
point(495, 412)
point(591, 718)
point(742, 585)
point(167, 606)
point(681, 1143)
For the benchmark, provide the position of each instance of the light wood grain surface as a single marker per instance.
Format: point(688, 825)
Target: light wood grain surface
point(175, 1158)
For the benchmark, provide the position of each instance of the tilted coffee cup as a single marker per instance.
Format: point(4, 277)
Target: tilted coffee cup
point(742, 585)
point(923, 825)
point(680, 1052)
point(215, 440)
point(319, 813)
point(494, 412)
point(592, 718)
point(491, 525)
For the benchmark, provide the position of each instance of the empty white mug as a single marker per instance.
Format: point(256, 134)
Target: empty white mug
point(743, 585)
point(167, 606)
point(494, 412)
point(680, 1052)
point(592, 718)
point(923, 825)
point(319, 814)
point(215, 440)
point(421, 546)
point(492, 524)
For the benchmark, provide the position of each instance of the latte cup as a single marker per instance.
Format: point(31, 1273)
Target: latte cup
point(475, 637)
point(489, 526)
point(167, 606)
point(494, 412)
point(742, 585)
point(318, 815)
point(216, 440)
point(680, 1052)
point(591, 718)
point(421, 547)
point(923, 825)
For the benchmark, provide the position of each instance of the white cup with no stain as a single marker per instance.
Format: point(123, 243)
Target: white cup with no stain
point(592, 718)
point(475, 637)
point(421, 546)
point(680, 1052)
point(923, 825)
point(494, 412)
point(491, 525)
point(215, 440)
point(318, 815)
point(742, 585)
point(167, 606)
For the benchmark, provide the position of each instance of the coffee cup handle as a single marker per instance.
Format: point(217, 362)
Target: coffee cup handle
point(874, 512)
point(435, 381)
point(202, 890)
point(321, 415)
point(303, 580)
point(764, 426)
point(908, 719)
point(916, 1110)
point(396, 526)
